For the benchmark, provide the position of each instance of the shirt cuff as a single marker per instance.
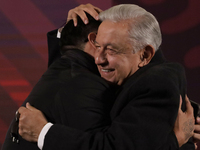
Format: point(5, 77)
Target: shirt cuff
point(42, 135)
point(58, 34)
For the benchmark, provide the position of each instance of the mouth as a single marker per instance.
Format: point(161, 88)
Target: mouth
point(106, 73)
point(107, 70)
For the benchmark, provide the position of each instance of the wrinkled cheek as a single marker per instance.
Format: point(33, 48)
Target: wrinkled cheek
point(121, 75)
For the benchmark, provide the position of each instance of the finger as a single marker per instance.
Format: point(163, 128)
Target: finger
point(26, 135)
point(74, 18)
point(180, 103)
point(17, 115)
point(20, 130)
point(92, 10)
point(195, 144)
point(196, 137)
point(198, 120)
point(98, 10)
point(186, 97)
point(78, 11)
point(81, 13)
point(69, 16)
point(28, 106)
point(189, 108)
point(21, 109)
point(197, 128)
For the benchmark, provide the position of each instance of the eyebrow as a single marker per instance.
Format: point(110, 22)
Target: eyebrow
point(108, 44)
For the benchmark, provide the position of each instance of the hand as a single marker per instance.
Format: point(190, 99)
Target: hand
point(80, 11)
point(196, 136)
point(31, 122)
point(184, 124)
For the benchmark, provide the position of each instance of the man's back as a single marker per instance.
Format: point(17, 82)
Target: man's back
point(71, 93)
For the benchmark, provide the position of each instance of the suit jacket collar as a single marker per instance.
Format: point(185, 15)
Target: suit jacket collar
point(82, 59)
point(157, 59)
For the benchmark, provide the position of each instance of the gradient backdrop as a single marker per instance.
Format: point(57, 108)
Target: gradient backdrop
point(23, 45)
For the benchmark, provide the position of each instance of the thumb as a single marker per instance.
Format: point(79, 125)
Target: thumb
point(180, 103)
point(28, 106)
point(195, 144)
point(189, 107)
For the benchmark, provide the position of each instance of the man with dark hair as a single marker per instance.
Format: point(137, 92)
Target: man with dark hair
point(72, 36)
point(78, 36)
point(70, 92)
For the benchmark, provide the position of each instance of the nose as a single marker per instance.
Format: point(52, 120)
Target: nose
point(100, 57)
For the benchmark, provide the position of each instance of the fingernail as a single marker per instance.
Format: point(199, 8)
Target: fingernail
point(198, 119)
point(97, 17)
point(86, 21)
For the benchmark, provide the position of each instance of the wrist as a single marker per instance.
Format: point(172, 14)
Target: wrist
point(180, 138)
point(60, 29)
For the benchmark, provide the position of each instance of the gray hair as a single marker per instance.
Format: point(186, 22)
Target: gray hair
point(143, 27)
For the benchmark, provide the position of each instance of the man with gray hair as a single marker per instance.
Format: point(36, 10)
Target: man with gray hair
point(145, 111)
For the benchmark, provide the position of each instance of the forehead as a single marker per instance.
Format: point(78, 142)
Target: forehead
point(114, 34)
point(115, 30)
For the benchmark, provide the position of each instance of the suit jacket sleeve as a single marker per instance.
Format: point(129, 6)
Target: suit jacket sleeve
point(83, 103)
point(145, 122)
point(53, 47)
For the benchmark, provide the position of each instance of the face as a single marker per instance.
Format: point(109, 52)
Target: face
point(114, 56)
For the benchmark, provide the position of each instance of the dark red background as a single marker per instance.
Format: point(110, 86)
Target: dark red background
point(23, 46)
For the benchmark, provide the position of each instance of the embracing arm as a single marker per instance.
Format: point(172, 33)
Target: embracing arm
point(63, 133)
point(146, 122)
point(137, 127)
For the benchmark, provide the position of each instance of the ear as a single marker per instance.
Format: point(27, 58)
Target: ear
point(91, 38)
point(146, 55)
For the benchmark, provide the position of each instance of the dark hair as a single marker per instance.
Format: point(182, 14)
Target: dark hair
point(78, 36)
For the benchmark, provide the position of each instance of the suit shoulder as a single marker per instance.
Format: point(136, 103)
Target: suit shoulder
point(91, 80)
point(159, 76)
point(166, 70)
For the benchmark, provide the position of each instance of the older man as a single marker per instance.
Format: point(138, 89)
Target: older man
point(145, 111)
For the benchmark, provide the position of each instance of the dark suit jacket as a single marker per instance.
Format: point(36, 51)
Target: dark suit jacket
point(142, 117)
point(70, 93)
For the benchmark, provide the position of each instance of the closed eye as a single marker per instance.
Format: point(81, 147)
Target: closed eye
point(97, 46)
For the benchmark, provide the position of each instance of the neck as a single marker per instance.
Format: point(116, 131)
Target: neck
point(68, 47)
point(72, 47)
